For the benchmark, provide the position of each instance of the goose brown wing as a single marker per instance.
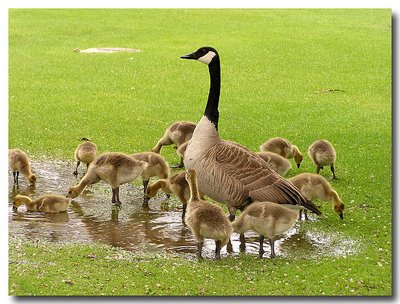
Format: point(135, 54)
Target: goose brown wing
point(255, 176)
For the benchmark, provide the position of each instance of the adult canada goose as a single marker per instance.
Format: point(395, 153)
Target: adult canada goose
point(314, 186)
point(276, 162)
point(206, 220)
point(177, 133)
point(86, 152)
point(176, 184)
point(114, 168)
point(323, 154)
point(51, 203)
point(156, 166)
point(18, 162)
point(267, 219)
point(228, 172)
point(284, 148)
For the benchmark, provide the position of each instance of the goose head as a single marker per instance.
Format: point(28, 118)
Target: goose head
point(205, 54)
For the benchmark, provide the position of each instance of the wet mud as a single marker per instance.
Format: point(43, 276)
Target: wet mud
point(158, 228)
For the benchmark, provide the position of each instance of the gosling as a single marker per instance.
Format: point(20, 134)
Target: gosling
point(206, 220)
point(323, 154)
point(276, 162)
point(177, 185)
point(156, 166)
point(18, 162)
point(177, 133)
point(284, 148)
point(314, 186)
point(267, 219)
point(113, 168)
point(86, 152)
point(50, 203)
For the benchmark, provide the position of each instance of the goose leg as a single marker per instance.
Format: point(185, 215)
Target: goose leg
point(218, 249)
point(76, 169)
point(272, 243)
point(333, 171)
point(261, 250)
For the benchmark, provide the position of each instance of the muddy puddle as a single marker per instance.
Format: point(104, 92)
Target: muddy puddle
point(92, 218)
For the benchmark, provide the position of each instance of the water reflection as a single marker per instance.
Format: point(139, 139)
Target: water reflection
point(92, 218)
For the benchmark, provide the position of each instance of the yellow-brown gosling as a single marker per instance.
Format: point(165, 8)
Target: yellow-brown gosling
point(51, 203)
point(268, 220)
point(284, 148)
point(156, 166)
point(323, 154)
point(177, 185)
point(114, 168)
point(314, 186)
point(86, 152)
point(177, 133)
point(18, 162)
point(276, 162)
point(205, 219)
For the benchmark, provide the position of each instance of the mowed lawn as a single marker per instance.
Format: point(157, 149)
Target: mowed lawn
point(299, 74)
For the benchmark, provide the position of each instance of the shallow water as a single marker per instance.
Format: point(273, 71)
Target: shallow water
point(92, 218)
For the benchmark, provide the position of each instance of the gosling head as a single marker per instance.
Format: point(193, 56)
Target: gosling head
point(19, 200)
point(205, 54)
point(32, 179)
point(339, 210)
point(73, 192)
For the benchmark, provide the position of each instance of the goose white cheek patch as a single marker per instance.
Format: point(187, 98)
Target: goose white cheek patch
point(207, 57)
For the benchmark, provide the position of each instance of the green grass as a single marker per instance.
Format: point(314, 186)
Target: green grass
point(276, 65)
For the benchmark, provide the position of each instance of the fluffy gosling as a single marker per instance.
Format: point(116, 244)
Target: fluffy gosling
point(268, 220)
point(86, 152)
point(18, 162)
point(51, 203)
point(323, 154)
point(314, 186)
point(156, 166)
point(206, 220)
point(114, 168)
point(276, 162)
point(284, 148)
point(177, 185)
point(177, 133)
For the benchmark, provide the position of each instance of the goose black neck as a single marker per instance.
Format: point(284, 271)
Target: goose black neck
point(211, 111)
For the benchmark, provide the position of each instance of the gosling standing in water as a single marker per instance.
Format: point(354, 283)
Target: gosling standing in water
point(314, 186)
point(18, 162)
point(268, 220)
point(205, 219)
point(115, 169)
point(51, 203)
point(323, 154)
point(86, 152)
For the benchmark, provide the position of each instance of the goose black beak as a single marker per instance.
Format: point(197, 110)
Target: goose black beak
point(189, 56)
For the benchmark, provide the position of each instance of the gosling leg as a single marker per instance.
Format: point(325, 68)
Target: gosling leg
point(184, 211)
point(145, 198)
point(76, 169)
point(115, 197)
point(15, 176)
point(218, 249)
point(319, 168)
point(199, 248)
point(272, 243)
point(261, 250)
point(242, 245)
point(333, 171)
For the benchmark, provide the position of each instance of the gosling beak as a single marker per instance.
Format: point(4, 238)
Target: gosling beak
point(341, 215)
point(14, 207)
point(189, 56)
point(298, 165)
